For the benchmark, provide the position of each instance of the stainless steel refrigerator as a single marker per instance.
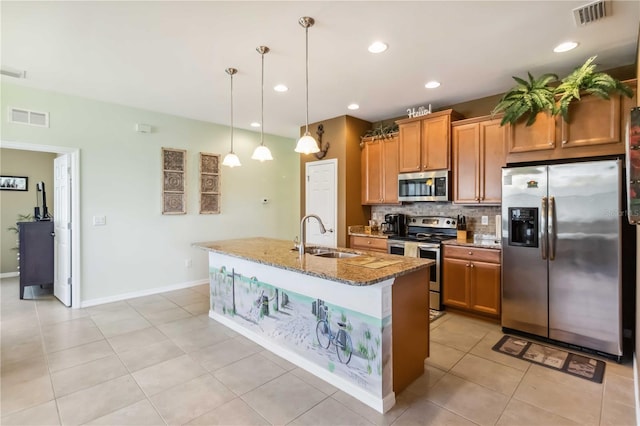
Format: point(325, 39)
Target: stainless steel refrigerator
point(562, 253)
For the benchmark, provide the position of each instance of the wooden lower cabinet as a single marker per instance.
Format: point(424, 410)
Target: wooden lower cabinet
point(471, 279)
point(359, 242)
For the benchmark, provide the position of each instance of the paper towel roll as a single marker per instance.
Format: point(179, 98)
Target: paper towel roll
point(498, 227)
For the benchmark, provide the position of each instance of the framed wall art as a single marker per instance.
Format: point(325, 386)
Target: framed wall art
point(209, 183)
point(14, 183)
point(174, 164)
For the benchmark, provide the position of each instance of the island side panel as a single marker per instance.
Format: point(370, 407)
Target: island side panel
point(410, 327)
point(287, 311)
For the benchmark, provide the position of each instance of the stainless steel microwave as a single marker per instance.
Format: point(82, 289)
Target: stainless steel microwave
point(425, 186)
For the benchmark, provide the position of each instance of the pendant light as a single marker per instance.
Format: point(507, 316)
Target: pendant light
point(262, 153)
point(307, 144)
point(231, 159)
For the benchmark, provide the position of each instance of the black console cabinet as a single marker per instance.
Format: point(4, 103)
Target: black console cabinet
point(36, 254)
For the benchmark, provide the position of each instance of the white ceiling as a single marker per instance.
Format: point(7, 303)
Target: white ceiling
point(170, 56)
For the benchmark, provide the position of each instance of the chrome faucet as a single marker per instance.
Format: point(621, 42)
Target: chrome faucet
point(303, 237)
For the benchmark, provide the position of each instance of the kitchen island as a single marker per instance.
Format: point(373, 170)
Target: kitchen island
point(361, 323)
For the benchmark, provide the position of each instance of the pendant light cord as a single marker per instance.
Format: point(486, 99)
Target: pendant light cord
point(262, 104)
point(306, 36)
point(231, 112)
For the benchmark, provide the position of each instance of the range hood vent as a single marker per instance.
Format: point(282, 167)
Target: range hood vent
point(591, 12)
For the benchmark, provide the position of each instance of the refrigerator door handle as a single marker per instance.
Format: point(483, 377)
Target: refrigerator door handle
point(543, 228)
point(552, 228)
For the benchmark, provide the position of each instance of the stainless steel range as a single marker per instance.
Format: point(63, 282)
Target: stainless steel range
point(425, 233)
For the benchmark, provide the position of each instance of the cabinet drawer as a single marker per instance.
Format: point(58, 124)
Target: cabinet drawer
point(472, 253)
point(368, 243)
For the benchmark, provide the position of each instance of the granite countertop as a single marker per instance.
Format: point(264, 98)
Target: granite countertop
point(367, 269)
point(359, 231)
point(490, 244)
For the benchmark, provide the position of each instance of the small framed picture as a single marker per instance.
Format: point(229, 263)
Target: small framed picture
point(14, 183)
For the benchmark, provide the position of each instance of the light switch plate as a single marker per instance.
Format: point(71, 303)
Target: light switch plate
point(485, 220)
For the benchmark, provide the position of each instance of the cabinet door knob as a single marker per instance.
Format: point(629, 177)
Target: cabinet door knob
point(368, 242)
point(564, 142)
point(472, 265)
point(467, 265)
point(551, 143)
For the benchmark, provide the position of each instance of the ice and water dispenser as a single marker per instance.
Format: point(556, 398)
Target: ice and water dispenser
point(523, 226)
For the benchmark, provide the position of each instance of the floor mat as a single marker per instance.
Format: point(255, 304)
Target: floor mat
point(434, 315)
point(557, 359)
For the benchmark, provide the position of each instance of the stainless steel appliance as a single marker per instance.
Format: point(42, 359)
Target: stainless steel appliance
point(428, 232)
point(395, 224)
point(561, 253)
point(425, 186)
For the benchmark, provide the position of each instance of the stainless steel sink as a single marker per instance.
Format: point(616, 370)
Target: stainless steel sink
point(329, 252)
point(336, 254)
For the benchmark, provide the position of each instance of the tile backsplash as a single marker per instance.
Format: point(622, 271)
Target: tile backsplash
point(473, 213)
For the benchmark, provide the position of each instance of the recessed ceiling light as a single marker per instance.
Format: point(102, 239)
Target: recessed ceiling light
point(432, 84)
point(377, 47)
point(280, 88)
point(255, 124)
point(353, 106)
point(565, 47)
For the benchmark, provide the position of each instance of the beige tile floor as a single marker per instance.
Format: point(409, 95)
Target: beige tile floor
point(160, 360)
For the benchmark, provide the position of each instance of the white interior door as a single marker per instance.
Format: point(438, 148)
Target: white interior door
point(321, 184)
point(62, 227)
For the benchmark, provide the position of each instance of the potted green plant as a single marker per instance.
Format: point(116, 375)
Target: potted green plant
point(529, 98)
point(585, 79)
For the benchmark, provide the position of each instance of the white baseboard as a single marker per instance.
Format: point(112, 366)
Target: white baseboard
point(147, 292)
point(9, 274)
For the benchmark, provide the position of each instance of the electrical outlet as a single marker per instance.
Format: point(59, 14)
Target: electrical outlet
point(187, 263)
point(485, 220)
point(99, 220)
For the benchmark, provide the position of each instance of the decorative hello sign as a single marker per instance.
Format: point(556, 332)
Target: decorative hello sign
point(412, 112)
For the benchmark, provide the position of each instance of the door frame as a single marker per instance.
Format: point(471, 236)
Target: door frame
point(74, 157)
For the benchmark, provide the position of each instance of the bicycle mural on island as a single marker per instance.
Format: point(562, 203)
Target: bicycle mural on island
point(345, 342)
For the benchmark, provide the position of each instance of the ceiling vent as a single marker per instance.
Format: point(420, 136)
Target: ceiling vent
point(30, 118)
point(592, 12)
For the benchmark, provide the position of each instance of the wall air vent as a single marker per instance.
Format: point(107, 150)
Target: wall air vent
point(30, 118)
point(591, 12)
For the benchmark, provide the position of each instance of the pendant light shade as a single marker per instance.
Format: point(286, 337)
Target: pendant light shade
point(307, 144)
point(231, 159)
point(262, 153)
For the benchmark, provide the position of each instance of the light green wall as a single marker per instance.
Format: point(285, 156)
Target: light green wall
point(37, 166)
point(120, 178)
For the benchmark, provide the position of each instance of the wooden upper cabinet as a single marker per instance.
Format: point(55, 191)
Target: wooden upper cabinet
point(425, 142)
point(596, 127)
point(592, 121)
point(541, 135)
point(466, 167)
point(390, 154)
point(409, 147)
point(372, 172)
point(380, 171)
point(478, 158)
point(493, 138)
point(436, 141)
